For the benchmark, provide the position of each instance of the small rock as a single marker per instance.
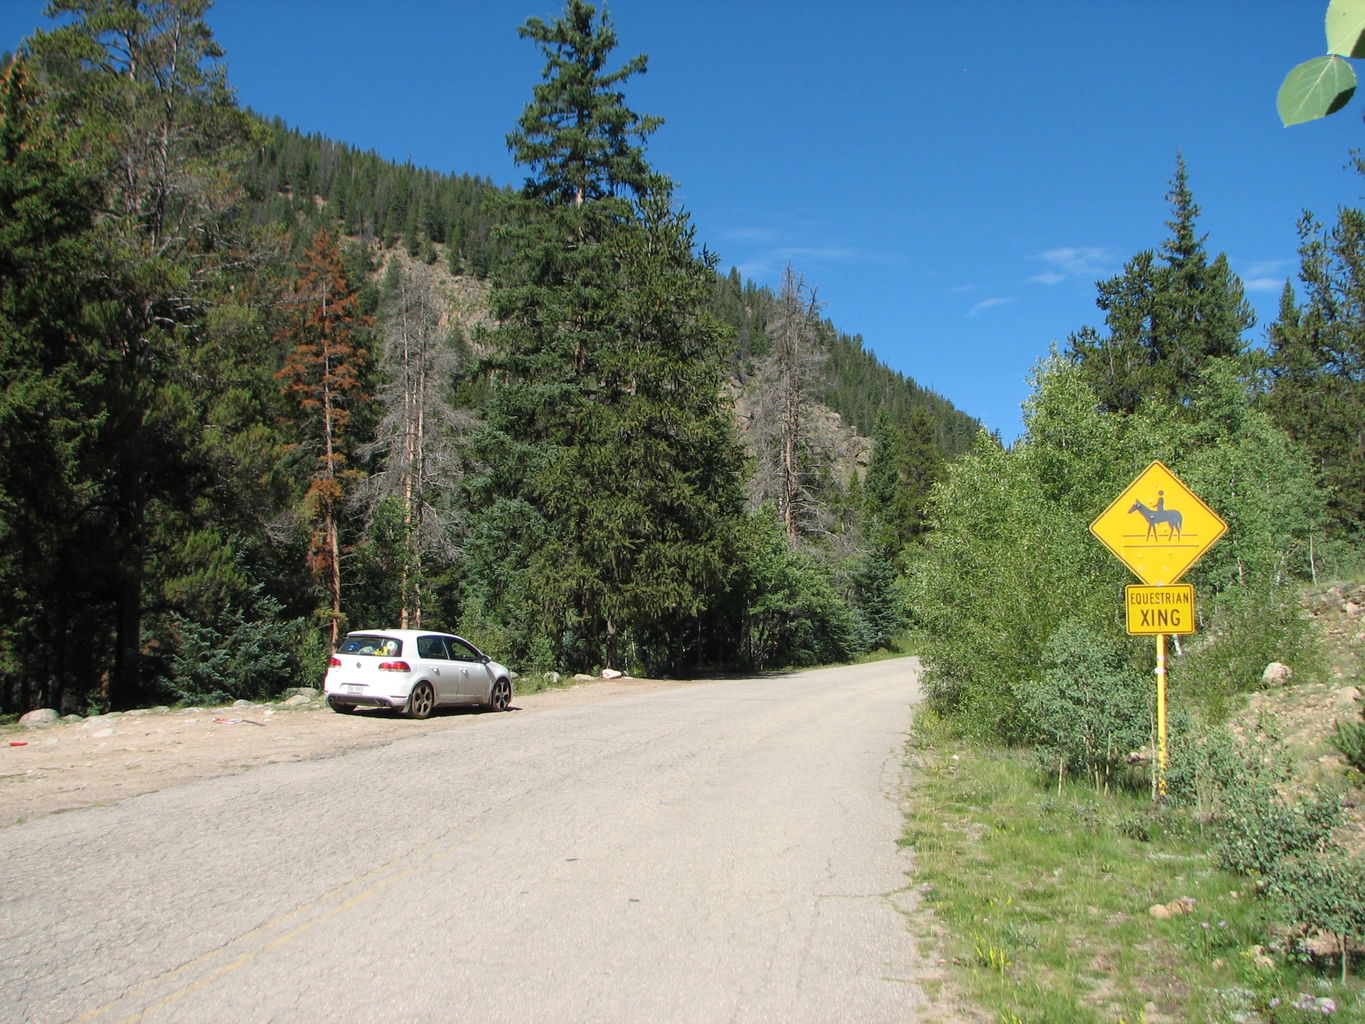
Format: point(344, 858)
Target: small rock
point(139, 712)
point(1184, 905)
point(1346, 698)
point(242, 704)
point(72, 719)
point(1277, 673)
point(552, 678)
point(611, 673)
point(304, 691)
point(1351, 608)
point(579, 677)
point(40, 717)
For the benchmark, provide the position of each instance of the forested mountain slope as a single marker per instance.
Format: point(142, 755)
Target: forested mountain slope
point(302, 181)
point(285, 388)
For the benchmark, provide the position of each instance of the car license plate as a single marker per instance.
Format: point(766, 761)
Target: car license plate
point(354, 688)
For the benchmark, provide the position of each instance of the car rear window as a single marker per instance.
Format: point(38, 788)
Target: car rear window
point(379, 646)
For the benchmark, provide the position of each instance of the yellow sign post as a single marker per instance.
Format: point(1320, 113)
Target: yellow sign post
point(1158, 527)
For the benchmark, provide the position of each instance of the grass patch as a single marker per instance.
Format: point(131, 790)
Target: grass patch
point(1042, 901)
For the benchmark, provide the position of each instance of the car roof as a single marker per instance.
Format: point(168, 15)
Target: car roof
point(399, 634)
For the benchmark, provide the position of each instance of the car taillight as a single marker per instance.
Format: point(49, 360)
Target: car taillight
point(334, 662)
point(394, 666)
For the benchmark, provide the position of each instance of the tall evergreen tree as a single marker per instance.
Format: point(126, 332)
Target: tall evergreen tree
point(1317, 361)
point(1168, 315)
point(54, 601)
point(138, 89)
point(904, 468)
point(612, 475)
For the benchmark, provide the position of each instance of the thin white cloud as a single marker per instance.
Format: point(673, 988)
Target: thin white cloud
point(1067, 262)
point(1266, 275)
point(986, 304)
point(1268, 268)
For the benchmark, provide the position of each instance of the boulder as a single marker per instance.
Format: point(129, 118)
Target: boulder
point(1346, 698)
point(297, 699)
point(611, 673)
point(39, 718)
point(1277, 673)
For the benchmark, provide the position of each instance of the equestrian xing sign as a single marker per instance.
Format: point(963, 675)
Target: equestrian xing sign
point(1158, 527)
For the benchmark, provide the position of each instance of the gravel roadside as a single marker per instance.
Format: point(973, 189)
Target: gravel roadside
point(99, 760)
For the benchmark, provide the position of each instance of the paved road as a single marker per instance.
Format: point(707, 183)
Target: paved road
point(722, 851)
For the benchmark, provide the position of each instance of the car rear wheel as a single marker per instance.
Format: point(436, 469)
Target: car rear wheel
point(421, 701)
point(501, 695)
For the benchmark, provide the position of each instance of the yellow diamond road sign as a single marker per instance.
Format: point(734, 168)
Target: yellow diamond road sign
point(1158, 527)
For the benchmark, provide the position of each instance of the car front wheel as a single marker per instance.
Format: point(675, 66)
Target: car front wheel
point(501, 695)
point(421, 701)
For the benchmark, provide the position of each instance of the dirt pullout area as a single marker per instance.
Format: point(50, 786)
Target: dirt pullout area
point(99, 760)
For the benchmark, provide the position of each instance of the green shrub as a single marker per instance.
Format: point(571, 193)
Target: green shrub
point(1349, 738)
point(234, 657)
point(1089, 710)
point(1247, 630)
point(1259, 829)
point(1325, 894)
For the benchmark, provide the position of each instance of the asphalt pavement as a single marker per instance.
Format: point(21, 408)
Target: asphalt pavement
point(718, 852)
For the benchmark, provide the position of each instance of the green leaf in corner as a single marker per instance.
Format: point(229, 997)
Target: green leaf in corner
point(1346, 28)
point(1315, 89)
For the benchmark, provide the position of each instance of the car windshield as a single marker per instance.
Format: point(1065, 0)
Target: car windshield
point(379, 646)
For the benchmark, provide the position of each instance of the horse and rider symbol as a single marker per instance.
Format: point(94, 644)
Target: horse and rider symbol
point(1161, 514)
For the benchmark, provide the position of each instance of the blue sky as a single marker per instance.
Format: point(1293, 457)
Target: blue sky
point(951, 178)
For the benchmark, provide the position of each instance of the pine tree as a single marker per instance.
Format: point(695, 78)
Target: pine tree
point(904, 467)
point(55, 616)
point(323, 373)
point(1317, 361)
point(138, 90)
point(1168, 315)
point(612, 475)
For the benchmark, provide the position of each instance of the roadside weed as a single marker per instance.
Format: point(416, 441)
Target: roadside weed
point(1043, 903)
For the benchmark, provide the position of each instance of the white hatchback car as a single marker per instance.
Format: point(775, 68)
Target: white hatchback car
point(415, 670)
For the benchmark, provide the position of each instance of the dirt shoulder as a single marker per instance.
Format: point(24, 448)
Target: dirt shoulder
point(106, 758)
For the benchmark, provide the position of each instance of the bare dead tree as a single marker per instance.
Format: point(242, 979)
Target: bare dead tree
point(419, 439)
point(787, 385)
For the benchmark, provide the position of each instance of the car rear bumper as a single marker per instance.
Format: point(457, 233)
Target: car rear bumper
point(362, 700)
